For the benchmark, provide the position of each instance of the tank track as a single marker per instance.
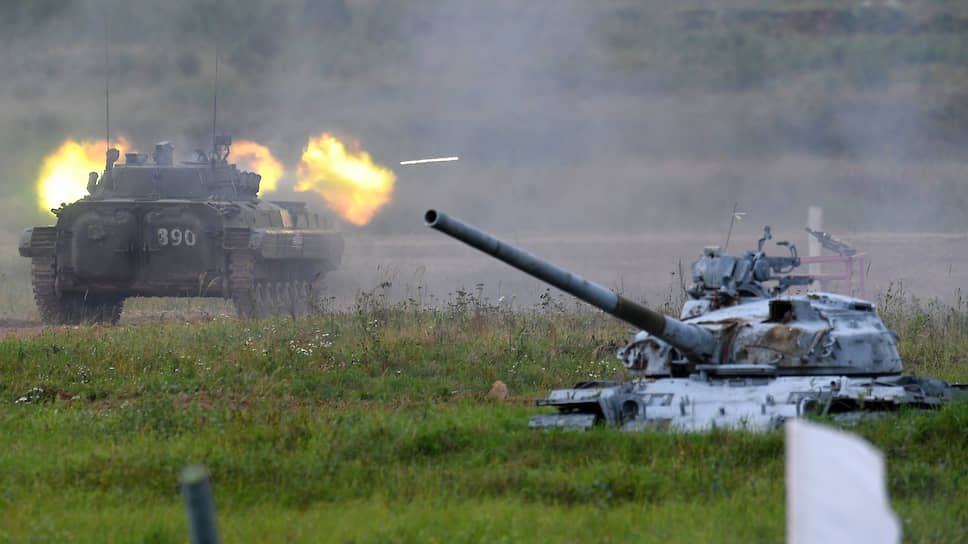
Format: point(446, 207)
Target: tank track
point(259, 290)
point(284, 298)
point(69, 308)
point(43, 274)
point(258, 299)
point(242, 286)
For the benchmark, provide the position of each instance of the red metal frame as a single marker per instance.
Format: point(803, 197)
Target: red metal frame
point(854, 265)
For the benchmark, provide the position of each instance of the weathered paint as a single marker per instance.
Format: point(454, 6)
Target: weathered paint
point(739, 356)
point(700, 403)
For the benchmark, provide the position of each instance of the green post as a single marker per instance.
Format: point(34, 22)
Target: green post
point(196, 490)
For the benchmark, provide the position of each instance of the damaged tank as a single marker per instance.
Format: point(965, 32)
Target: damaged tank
point(741, 355)
point(191, 229)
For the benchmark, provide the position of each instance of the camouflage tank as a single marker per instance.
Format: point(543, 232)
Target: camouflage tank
point(742, 354)
point(192, 229)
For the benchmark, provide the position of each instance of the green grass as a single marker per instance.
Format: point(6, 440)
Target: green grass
point(371, 425)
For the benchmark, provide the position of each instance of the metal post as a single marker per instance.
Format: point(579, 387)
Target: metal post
point(815, 222)
point(850, 275)
point(197, 494)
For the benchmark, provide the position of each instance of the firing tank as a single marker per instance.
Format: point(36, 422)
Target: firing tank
point(741, 355)
point(191, 229)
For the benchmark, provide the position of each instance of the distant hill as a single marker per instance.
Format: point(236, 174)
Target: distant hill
point(871, 101)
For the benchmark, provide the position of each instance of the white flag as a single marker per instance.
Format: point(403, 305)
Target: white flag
point(835, 488)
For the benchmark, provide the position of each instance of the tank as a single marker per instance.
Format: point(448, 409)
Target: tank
point(191, 229)
point(742, 354)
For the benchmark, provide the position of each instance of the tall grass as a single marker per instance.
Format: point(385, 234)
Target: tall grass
point(933, 333)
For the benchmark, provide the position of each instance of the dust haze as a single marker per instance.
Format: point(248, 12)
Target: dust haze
point(611, 137)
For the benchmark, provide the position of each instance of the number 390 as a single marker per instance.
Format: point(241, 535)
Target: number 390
point(176, 237)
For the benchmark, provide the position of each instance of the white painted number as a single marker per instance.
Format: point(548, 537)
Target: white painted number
point(175, 237)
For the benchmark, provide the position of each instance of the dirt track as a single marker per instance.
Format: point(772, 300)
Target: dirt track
point(20, 327)
point(431, 268)
point(644, 266)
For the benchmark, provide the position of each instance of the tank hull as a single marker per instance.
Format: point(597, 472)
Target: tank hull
point(699, 403)
point(257, 253)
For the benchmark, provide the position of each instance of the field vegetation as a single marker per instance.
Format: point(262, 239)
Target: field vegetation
point(371, 424)
point(370, 421)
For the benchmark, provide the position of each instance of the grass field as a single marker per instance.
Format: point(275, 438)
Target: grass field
point(603, 134)
point(370, 424)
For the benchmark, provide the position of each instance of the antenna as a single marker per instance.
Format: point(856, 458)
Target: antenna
point(215, 104)
point(107, 99)
point(736, 215)
point(215, 151)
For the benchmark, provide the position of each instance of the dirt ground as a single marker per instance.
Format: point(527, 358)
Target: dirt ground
point(644, 266)
point(430, 268)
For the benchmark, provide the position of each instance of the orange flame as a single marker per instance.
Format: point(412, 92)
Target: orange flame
point(63, 176)
point(257, 158)
point(351, 184)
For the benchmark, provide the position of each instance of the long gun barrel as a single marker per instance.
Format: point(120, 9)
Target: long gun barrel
point(696, 342)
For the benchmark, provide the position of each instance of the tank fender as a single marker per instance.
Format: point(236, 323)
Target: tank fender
point(236, 239)
point(297, 244)
point(38, 242)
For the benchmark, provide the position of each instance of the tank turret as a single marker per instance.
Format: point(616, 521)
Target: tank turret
point(724, 280)
point(211, 178)
point(741, 353)
point(738, 326)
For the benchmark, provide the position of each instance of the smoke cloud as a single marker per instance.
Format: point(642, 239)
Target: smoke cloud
point(570, 118)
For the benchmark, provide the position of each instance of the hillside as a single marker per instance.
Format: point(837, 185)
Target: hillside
point(640, 114)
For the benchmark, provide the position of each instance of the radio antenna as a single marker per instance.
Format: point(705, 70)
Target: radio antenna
point(215, 104)
point(107, 95)
point(215, 150)
point(735, 216)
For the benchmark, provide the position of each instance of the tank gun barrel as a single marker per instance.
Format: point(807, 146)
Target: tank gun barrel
point(694, 341)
